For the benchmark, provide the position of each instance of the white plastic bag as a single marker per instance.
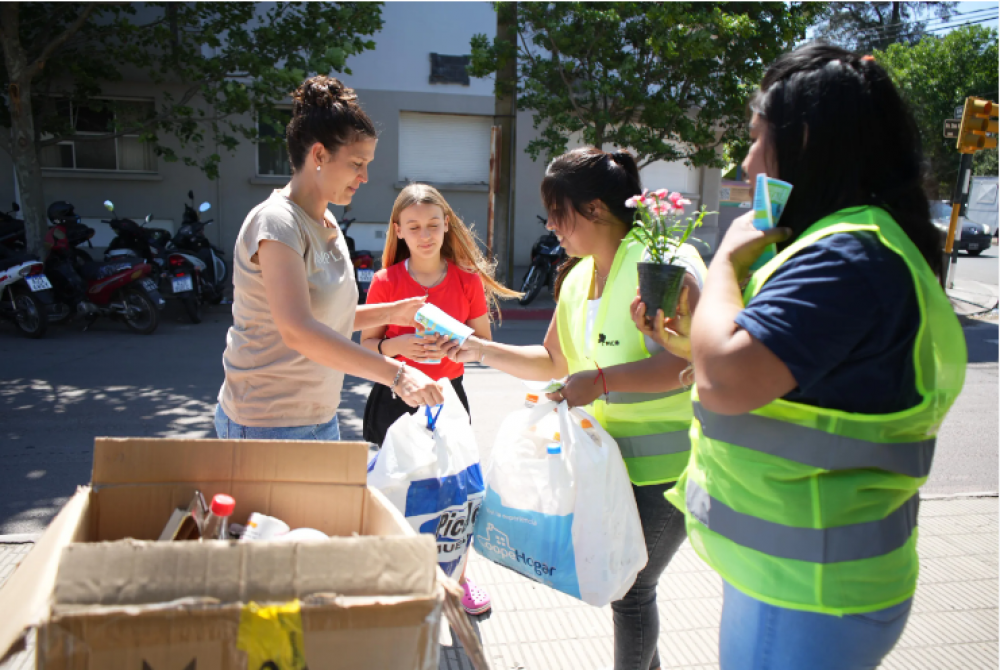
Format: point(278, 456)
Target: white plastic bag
point(428, 468)
point(564, 516)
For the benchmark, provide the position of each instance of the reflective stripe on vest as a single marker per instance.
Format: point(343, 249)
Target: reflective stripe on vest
point(817, 448)
point(854, 542)
point(657, 444)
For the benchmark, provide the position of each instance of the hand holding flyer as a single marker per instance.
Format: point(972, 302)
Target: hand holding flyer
point(433, 321)
point(769, 200)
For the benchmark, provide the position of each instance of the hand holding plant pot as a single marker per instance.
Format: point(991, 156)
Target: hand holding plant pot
point(661, 228)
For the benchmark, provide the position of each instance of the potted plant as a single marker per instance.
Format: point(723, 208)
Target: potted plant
point(662, 228)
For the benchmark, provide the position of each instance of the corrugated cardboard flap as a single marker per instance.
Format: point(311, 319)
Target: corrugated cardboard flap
point(156, 461)
point(141, 573)
point(25, 598)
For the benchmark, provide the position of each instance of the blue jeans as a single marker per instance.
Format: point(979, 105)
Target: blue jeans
point(227, 429)
point(758, 636)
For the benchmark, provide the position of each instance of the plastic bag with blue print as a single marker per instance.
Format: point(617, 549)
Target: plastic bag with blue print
point(428, 468)
point(559, 507)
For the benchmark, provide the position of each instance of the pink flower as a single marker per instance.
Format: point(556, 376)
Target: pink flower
point(662, 194)
point(664, 208)
point(634, 201)
point(677, 201)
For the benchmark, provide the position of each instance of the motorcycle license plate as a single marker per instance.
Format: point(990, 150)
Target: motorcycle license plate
point(149, 284)
point(973, 246)
point(365, 276)
point(182, 284)
point(38, 282)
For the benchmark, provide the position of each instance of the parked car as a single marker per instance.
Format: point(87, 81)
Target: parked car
point(972, 237)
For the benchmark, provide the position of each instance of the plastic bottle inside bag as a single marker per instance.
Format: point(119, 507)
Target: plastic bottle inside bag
point(589, 429)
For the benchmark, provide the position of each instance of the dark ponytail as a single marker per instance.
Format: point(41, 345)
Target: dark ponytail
point(583, 175)
point(844, 137)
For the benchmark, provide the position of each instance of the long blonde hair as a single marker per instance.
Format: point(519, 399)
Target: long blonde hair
point(460, 244)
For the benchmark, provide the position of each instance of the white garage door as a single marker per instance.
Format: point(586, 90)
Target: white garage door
point(444, 148)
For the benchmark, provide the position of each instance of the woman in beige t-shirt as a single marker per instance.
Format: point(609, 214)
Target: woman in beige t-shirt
point(295, 298)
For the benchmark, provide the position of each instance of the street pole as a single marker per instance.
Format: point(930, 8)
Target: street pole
point(959, 197)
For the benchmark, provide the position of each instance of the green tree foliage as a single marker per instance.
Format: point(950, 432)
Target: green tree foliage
point(867, 26)
point(669, 80)
point(215, 61)
point(936, 75)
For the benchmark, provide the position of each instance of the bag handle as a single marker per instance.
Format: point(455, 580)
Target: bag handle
point(432, 420)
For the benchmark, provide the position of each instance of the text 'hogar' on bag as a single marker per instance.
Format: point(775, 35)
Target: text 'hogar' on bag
point(559, 507)
point(429, 469)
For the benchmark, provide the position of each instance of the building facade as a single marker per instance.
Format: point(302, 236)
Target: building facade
point(434, 127)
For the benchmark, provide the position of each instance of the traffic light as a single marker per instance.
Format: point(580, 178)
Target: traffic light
point(978, 121)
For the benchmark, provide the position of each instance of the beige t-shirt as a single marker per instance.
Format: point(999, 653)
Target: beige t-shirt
point(268, 384)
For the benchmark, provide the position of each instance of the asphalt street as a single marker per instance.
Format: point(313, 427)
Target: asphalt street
point(58, 393)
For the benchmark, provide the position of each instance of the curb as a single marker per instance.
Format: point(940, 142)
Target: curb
point(960, 496)
point(20, 538)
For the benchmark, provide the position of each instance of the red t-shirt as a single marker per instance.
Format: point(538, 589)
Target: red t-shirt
point(460, 294)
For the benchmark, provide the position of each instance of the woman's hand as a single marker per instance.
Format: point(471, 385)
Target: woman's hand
point(416, 388)
point(403, 312)
point(674, 334)
point(469, 352)
point(743, 244)
point(411, 346)
point(580, 389)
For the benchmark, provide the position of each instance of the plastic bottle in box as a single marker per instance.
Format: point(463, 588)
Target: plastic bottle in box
point(217, 522)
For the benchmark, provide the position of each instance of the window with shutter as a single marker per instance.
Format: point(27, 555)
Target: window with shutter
point(444, 148)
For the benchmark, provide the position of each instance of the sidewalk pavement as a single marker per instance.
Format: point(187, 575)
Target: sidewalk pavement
point(953, 624)
point(972, 298)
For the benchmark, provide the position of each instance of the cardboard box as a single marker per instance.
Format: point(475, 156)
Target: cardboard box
point(103, 594)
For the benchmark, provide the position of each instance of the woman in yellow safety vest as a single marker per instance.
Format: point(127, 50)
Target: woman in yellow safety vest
point(631, 386)
point(820, 387)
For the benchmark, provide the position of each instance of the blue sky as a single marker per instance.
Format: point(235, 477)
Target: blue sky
point(979, 8)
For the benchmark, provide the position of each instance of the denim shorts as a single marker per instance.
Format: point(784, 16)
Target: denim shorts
point(227, 429)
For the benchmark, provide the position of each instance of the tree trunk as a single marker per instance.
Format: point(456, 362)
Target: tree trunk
point(22, 146)
point(29, 171)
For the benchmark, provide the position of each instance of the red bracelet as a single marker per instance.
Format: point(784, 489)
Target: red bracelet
point(601, 376)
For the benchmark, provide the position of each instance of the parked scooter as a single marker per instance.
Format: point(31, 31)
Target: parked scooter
point(176, 274)
point(363, 260)
point(12, 238)
point(25, 293)
point(546, 257)
point(190, 239)
point(119, 288)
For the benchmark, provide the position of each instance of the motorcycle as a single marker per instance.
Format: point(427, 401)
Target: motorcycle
point(546, 257)
point(176, 273)
point(25, 293)
point(363, 261)
point(119, 288)
point(13, 239)
point(190, 239)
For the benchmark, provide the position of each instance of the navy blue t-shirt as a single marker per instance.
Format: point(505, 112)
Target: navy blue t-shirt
point(842, 314)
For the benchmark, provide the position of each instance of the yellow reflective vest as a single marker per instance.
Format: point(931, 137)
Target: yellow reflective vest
point(816, 509)
point(651, 429)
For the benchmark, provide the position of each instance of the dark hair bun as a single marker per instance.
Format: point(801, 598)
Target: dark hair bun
point(323, 92)
point(325, 111)
point(627, 161)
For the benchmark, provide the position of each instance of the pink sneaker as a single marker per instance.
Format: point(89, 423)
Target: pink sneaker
point(476, 600)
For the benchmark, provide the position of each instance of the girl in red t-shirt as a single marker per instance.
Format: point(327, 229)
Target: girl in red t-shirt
point(428, 252)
